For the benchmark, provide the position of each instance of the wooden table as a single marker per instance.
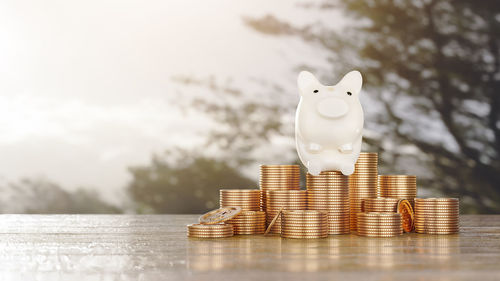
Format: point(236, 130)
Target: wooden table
point(134, 247)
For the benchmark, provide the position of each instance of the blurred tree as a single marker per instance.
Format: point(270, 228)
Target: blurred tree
point(180, 183)
point(435, 67)
point(39, 196)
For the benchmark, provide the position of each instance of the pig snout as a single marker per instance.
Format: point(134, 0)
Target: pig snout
point(332, 107)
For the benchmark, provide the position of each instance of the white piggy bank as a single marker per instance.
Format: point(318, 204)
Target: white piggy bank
point(329, 123)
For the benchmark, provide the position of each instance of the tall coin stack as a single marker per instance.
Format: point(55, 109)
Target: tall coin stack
point(246, 199)
point(362, 183)
point(286, 199)
point(329, 192)
point(381, 205)
point(278, 177)
point(220, 230)
point(398, 186)
point(249, 222)
point(304, 224)
point(379, 224)
point(437, 215)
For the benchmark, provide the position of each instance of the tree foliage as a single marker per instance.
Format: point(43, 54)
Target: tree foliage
point(40, 196)
point(180, 182)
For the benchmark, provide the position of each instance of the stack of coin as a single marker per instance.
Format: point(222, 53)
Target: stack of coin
point(286, 199)
point(398, 186)
point(437, 215)
point(220, 230)
point(249, 222)
point(381, 205)
point(278, 177)
point(246, 199)
point(329, 192)
point(362, 183)
point(379, 224)
point(304, 224)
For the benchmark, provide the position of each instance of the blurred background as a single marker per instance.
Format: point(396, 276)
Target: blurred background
point(152, 107)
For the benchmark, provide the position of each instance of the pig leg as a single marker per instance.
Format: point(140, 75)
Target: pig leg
point(314, 167)
point(346, 148)
point(347, 169)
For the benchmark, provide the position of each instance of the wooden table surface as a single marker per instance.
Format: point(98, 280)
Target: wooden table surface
point(137, 247)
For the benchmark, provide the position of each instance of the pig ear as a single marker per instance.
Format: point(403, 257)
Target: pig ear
point(352, 82)
point(306, 82)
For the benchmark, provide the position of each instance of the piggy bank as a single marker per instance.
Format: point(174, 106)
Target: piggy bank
point(329, 123)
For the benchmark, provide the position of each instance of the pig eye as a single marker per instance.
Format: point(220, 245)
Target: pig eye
point(349, 93)
point(315, 91)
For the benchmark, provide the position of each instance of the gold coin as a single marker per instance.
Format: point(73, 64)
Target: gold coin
point(209, 236)
point(219, 215)
point(247, 227)
point(253, 218)
point(286, 192)
point(339, 218)
point(305, 236)
point(290, 229)
point(249, 222)
point(378, 235)
point(273, 221)
point(230, 191)
point(442, 213)
point(304, 231)
point(249, 218)
point(436, 216)
point(249, 232)
point(211, 226)
point(429, 222)
point(252, 197)
point(303, 218)
point(405, 209)
point(303, 223)
point(451, 228)
point(441, 228)
point(397, 176)
point(438, 208)
point(197, 233)
point(253, 208)
point(379, 227)
point(436, 199)
point(378, 220)
point(436, 204)
point(360, 232)
point(327, 192)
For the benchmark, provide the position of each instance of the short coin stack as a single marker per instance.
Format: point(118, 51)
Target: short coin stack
point(398, 186)
point(381, 205)
point(286, 199)
point(249, 222)
point(304, 224)
point(278, 177)
point(362, 183)
point(437, 215)
point(220, 230)
point(329, 192)
point(246, 199)
point(379, 224)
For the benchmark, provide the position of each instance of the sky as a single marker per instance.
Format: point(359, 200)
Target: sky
point(87, 88)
